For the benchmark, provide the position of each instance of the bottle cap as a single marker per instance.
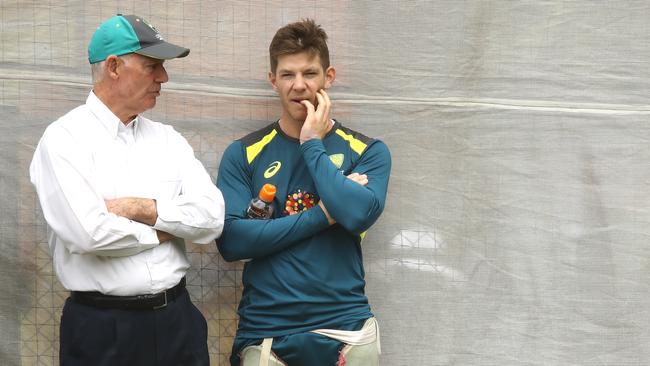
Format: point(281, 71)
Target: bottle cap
point(267, 193)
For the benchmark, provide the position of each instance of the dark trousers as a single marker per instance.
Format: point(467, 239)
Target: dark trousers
point(172, 336)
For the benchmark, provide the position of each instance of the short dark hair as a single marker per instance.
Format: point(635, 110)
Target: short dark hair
point(302, 36)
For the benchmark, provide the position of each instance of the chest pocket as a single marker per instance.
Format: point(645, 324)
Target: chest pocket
point(168, 188)
point(158, 180)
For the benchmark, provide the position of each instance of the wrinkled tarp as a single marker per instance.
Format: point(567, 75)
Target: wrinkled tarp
point(516, 229)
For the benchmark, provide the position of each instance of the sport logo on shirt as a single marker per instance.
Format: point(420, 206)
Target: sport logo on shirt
point(272, 169)
point(337, 160)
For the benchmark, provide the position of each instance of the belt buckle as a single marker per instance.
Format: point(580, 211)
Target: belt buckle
point(163, 305)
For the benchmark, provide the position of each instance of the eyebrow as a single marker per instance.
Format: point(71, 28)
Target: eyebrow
point(310, 69)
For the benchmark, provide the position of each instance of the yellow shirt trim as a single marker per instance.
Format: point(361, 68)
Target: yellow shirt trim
point(355, 144)
point(253, 150)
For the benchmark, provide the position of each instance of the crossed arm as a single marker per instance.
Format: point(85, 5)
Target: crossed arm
point(85, 223)
point(363, 190)
point(355, 206)
point(138, 209)
point(245, 238)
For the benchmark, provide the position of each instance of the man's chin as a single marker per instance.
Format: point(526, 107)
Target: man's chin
point(300, 117)
point(149, 104)
point(297, 112)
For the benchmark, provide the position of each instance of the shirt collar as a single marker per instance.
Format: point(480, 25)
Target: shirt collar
point(107, 118)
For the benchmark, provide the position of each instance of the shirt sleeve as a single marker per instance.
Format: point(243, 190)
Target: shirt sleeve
point(245, 238)
point(352, 205)
point(76, 212)
point(196, 214)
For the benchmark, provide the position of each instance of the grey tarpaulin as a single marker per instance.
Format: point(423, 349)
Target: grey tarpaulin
point(516, 230)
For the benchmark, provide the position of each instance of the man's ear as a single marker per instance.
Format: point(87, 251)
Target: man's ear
point(111, 64)
point(330, 76)
point(272, 80)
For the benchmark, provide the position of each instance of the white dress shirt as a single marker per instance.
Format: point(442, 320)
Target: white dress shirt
point(88, 156)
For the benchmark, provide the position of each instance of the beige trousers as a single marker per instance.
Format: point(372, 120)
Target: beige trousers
point(351, 355)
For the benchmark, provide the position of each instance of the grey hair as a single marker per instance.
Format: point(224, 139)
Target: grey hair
point(97, 69)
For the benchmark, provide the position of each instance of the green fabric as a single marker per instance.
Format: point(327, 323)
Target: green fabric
point(115, 36)
point(303, 274)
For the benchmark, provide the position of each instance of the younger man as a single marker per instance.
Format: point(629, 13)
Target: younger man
point(303, 297)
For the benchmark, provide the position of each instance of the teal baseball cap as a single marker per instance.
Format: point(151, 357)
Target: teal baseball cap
point(124, 34)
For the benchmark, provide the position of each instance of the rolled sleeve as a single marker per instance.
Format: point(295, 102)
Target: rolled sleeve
point(196, 218)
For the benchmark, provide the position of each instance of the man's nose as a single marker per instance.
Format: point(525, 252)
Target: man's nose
point(162, 76)
point(299, 82)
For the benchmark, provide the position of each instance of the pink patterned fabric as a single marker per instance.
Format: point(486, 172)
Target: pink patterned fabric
point(341, 361)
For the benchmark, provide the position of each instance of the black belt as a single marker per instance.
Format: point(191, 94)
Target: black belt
point(136, 302)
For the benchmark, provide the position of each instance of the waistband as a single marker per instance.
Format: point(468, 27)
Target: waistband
point(367, 334)
point(135, 302)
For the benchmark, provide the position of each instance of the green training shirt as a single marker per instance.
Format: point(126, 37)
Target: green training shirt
point(302, 273)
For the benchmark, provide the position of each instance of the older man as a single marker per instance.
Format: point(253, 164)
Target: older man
point(121, 194)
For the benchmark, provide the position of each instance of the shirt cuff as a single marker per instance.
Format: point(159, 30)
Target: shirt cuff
point(168, 216)
point(319, 218)
point(312, 144)
point(148, 236)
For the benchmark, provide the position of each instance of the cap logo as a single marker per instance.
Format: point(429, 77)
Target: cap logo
point(149, 25)
point(157, 35)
